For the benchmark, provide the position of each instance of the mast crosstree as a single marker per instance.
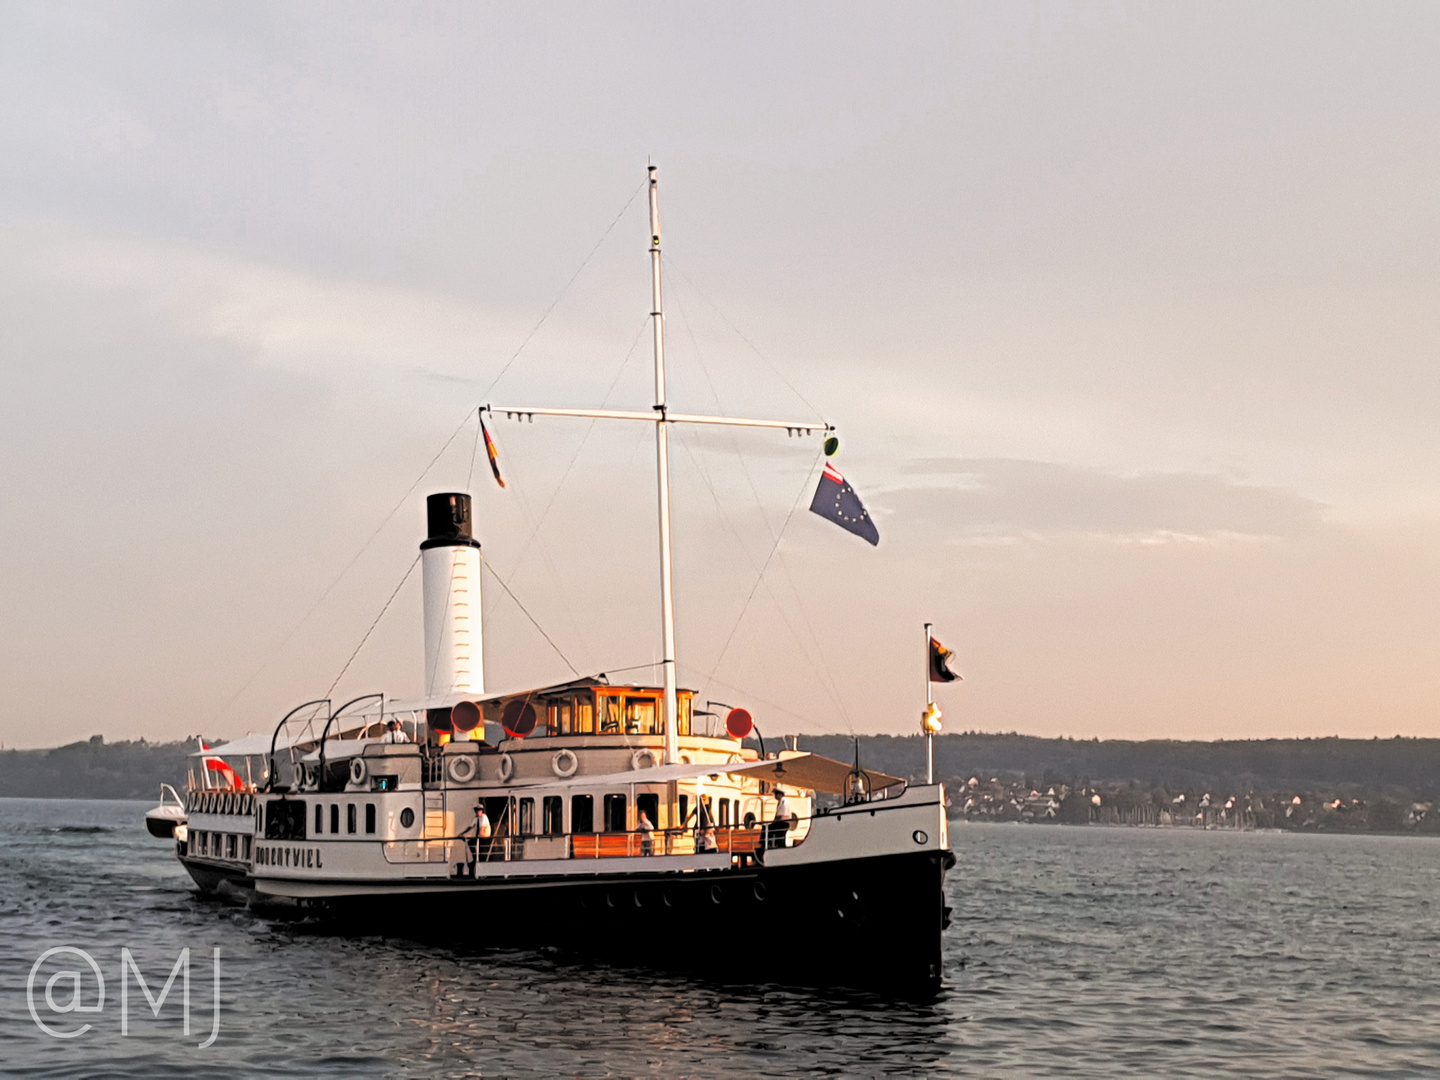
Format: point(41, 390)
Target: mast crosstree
point(662, 418)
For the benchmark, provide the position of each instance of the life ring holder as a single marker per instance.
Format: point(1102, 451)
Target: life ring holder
point(359, 771)
point(644, 752)
point(507, 767)
point(564, 764)
point(461, 768)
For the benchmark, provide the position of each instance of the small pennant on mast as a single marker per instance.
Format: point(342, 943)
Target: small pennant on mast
point(491, 452)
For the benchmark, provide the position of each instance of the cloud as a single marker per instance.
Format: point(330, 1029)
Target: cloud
point(986, 498)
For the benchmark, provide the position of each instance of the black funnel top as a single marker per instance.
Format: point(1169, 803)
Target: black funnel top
point(448, 515)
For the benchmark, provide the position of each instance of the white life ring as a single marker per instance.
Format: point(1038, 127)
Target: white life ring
point(564, 764)
point(507, 767)
point(461, 768)
point(644, 752)
point(359, 771)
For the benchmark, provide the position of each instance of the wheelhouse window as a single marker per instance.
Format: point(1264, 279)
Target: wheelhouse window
point(613, 719)
point(683, 707)
point(560, 713)
point(553, 811)
point(582, 813)
point(615, 813)
point(640, 716)
point(584, 716)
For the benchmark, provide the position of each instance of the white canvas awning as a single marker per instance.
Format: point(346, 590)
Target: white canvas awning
point(251, 745)
point(799, 769)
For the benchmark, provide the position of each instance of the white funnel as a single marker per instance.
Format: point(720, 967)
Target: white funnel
point(450, 569)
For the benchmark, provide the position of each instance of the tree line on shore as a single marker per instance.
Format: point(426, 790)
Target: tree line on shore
point(1360, 773)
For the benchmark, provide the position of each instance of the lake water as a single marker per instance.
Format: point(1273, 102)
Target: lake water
point(1082, 952)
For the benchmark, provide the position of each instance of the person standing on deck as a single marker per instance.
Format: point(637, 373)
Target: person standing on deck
point(645, 828)
point(781, 825)
point(482, 831)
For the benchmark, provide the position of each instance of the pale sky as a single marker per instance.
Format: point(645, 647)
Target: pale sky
point(1126, 314)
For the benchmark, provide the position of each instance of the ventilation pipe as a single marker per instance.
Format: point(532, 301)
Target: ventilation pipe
point(450, 571)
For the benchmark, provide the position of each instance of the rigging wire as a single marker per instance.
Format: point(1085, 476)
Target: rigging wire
point(555, 494)
point(535, 523)
point(474, 452)
point(807, 720)
point(764, 566)
point(426, 471)
point(822, 670)
point(741, 335)
point(533, 622)
point(404, 578)
point(561, 295)
point(821, 676)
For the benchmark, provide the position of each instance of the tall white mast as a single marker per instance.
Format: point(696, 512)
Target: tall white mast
point(662, 483)
point(662, 418)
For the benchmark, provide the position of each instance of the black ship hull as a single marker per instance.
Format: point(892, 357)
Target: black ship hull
point(870, 923)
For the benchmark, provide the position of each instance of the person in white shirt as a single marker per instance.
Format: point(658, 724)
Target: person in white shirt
point(645, 828)
point(781, 825)
point(395, 733)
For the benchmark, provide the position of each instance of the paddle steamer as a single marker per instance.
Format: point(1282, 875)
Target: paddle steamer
point(588, 815)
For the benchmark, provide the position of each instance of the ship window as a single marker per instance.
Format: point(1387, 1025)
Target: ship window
point(245, 847)
point(369, 817)
point(649, 805)
point(683, 706)
point(582, 813)
point(350, 817)
point(584, 716)
point(613, 721)
point(201, 845)
point(707, 812)
point(560, 718)
point(684, 810)
point(285, 820)
point(231, 844)
point(615, 813)
point(640, 718)
point(527, 817)
point(319, 819)
point(724, 812)
point(553, 812)
point(334, 817)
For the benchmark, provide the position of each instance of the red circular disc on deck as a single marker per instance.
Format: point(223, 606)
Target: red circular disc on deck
point(518, 719)
point(739, 723)
point(466, 716)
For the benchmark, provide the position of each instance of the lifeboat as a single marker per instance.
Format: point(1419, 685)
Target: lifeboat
point(170, 812)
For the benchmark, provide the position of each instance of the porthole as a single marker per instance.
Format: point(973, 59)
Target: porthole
point(920, 837)
point(759, 890)
point(407, 818)
point(717, 895)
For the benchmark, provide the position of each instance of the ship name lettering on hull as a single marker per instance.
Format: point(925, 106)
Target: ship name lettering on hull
point(299, 858)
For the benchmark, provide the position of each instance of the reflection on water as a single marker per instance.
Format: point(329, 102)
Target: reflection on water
point(1112, 952)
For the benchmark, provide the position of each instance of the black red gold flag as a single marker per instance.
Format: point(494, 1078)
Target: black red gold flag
point(940, 663)
point(491, 452)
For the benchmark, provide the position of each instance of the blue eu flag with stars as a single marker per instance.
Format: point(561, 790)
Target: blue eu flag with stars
point(836, 501)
